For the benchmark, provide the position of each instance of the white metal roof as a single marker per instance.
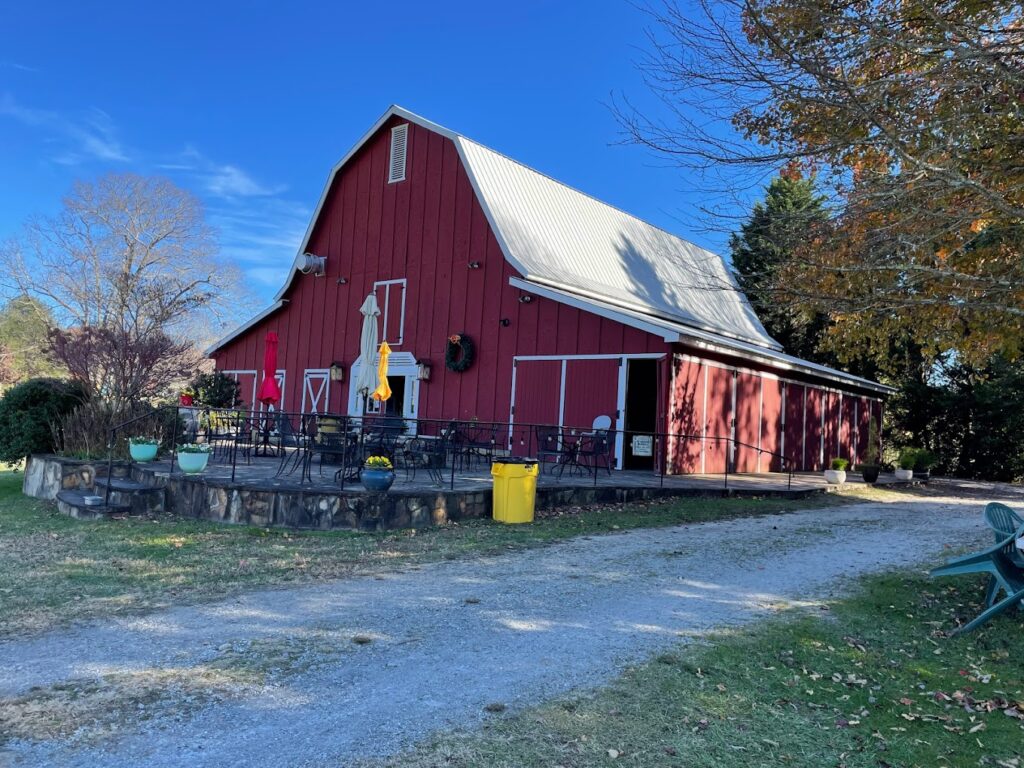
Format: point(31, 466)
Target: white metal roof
point(556, 235)
point(714, 342)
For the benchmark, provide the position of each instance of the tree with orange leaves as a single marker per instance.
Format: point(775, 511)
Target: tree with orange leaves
point(910, 111)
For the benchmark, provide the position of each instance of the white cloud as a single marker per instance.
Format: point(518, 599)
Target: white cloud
point(232, 181)
point(259, 231)
point(89, 135)
point(18, 66)
point(268, 277)
point(261, 236)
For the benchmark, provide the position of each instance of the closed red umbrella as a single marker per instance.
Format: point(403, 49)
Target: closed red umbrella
point(270, 391)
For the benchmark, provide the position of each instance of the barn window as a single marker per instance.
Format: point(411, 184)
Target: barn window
point(396, 160)
point(391, 300)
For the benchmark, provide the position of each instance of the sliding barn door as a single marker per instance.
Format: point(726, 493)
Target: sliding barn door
point(537, 399)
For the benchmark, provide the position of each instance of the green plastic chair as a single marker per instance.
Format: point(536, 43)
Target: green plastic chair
point(1002, 561)
point(1004, 522)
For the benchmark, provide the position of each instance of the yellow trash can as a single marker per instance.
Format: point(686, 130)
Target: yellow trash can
point(515, 489)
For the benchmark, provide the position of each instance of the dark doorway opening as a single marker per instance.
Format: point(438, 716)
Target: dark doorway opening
point(641, 418)
point(395, 404)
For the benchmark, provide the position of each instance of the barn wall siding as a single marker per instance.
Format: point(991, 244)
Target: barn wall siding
point(774, 417)
point(771, 426)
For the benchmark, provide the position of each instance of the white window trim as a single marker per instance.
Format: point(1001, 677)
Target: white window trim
point(399, 364)
point(384, 311)
point(243, 372)
point(282, 378)
point(620, 399)
point(402, 130)
point(323, 393)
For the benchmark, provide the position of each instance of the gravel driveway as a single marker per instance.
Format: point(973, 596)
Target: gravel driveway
point(325, 674)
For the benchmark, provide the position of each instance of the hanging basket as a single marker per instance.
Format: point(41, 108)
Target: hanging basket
point(459, 353)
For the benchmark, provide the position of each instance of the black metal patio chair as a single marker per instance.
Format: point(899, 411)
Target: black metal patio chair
point(551, 445)
point(595, 449)
point(426, 453)
point(480, 443)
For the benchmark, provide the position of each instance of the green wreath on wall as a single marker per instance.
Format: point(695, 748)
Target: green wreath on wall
point(459, 353)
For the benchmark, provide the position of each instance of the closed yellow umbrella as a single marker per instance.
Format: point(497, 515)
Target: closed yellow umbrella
point(383, 390)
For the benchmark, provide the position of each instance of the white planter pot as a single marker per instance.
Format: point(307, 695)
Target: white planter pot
point(904, 474)
point(835, 476)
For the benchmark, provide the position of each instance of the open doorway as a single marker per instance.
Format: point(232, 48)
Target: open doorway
point(394, 405)
point(641, 417)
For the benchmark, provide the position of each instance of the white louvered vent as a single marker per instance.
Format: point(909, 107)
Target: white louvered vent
point(396, 160)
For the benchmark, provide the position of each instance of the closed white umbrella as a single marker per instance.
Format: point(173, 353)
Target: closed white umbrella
point(366, 382)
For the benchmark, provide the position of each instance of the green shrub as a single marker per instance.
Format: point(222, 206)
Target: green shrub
point(908, 458)
point(215, 390)
point(840, 465)
point(924, 460)
point(28, 413)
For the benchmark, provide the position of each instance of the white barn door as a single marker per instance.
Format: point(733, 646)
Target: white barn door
point(316, 389)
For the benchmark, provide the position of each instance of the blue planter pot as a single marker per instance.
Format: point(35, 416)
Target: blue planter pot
point(377, 480)
point(142, 452)
point(193, 463)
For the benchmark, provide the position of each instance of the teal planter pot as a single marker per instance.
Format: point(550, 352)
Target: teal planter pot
point(377, 480)
point(193, 463)
point(142, 452)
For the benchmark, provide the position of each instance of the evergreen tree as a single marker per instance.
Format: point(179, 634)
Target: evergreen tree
point(25, 324)
point(766, 242)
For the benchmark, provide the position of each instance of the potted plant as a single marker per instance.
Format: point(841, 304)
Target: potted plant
point(836, 474)
point(378, 475)
point(908, 457)
point(143, 448)
point(924, 460)
point(193, 457)
point(869, 469)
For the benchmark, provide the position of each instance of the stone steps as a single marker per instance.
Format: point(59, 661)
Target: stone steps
point(73, 504)
point(140, 498)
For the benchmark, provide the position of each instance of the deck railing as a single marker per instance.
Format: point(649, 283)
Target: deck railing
point(236, 434)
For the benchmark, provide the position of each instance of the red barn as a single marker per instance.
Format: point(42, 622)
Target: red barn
point(575, 308)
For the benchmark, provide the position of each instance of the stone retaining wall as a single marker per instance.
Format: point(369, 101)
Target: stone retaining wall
point(46, 474)
point(197, 498)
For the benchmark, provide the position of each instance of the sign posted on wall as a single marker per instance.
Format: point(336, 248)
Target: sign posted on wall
point(643, 445)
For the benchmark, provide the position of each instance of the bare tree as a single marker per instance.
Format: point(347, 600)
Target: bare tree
point(911, 113)
point(128, 264)
point(126, 251)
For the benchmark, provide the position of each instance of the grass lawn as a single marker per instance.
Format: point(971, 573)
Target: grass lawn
point(54, 569)
point(870, 682)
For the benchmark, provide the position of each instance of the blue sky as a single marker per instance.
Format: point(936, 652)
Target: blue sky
point(249, 105)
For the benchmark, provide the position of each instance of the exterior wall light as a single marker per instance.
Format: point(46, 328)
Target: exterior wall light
point(423, 370)
point(525, 298)
point(337, 372)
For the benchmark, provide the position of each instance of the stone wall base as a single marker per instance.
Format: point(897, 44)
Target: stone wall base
point(46, 474)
